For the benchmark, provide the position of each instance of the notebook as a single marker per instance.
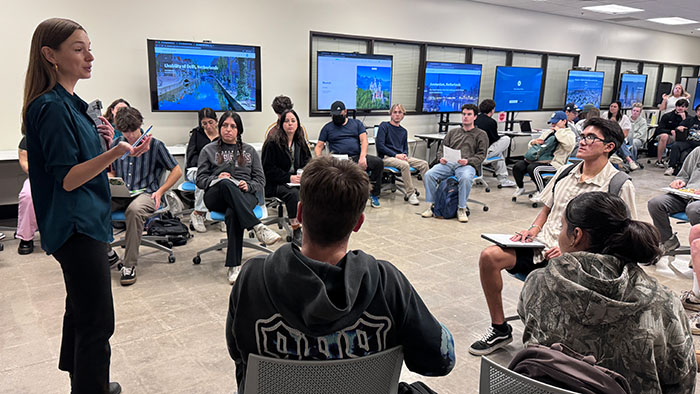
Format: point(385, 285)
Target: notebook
point(503, 240)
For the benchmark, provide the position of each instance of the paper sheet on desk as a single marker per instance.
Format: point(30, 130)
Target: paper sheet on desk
point(451, 155)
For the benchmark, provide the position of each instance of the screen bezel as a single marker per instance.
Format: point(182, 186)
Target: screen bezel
point(425, 73)
point(357, 55)
point(568, 77)
point(619, 88)
point(539, 99)
point(153, 84)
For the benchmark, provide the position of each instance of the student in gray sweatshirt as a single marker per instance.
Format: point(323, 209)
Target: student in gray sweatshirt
point(232, 176)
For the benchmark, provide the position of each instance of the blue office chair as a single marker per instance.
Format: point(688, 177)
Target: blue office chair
point(260, 213)
point(479, 178)
point(471, 200)
point(391, 180)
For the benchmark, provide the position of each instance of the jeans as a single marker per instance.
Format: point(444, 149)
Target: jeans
point(464, 174)
point(191, 175)
point(624, 152)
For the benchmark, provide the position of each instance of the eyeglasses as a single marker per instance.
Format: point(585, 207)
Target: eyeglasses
point(591, 138)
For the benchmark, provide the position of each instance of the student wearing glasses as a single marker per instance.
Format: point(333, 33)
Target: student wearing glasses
point(599, 140)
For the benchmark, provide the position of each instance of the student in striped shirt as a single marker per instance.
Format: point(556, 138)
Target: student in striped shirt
point(140, 173)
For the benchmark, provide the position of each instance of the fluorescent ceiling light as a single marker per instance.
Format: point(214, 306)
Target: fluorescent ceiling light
point(672, 20)
point(612, 9)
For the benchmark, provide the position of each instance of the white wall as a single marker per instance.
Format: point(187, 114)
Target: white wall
point(118, 31)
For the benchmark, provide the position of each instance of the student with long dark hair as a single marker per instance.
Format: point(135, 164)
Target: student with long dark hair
point(233, 180)
point(615, 113)
point(71, 195)
point(597, 300)
point(200, 136)
point(111, 113)
point(283, 155)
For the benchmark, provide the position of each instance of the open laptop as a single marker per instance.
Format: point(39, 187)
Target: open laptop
point(118, 188)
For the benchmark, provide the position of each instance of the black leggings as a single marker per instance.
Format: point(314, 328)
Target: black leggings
point(523, 167)
point(88, 322)
point(289, 195)
point(238, 206)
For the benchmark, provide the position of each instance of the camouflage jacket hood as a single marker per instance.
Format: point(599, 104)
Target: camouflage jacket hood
point(629, 322)
point(599, 289)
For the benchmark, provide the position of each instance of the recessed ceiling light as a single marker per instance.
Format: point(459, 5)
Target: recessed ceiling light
point(672, 20)
point(612, 9)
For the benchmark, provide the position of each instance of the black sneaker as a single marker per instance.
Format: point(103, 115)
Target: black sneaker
point(491, 341)
point(25, 247)
point(113, 258)
point(128, 276)
point(114, 388)
point(296, 237)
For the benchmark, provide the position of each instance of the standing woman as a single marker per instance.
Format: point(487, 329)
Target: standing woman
point(669, 101)
point(233, 180)
point(71, 195)
point(283, 155)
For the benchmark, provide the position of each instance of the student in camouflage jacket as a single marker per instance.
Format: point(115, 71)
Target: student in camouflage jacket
point(597, 300)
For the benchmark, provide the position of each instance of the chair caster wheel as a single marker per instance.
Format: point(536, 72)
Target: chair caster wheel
point(171, 259)
point(405, 198)
point(514, 199)
point(420, 178)
point(289, 238)
point(529, 195)
point(197, 260)
point(486, 209)
point(534, 205)
point(487, 190)
point(500, 186)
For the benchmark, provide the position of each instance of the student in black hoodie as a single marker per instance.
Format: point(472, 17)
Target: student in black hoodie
point(283, 155)
point(318, 302)
point(200, 136)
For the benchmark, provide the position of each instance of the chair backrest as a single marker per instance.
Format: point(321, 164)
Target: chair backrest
point(374, 374)
point(497, 379)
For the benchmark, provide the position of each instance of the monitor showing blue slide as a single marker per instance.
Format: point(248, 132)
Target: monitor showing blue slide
point(696, 102)
point(632, 87)
point(362, 82)
point(448, 86)
point(584, 87)
point(517, 88)
point(187, 76)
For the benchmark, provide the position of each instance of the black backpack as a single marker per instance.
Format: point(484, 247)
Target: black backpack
point(170, 227)
point(446, 199)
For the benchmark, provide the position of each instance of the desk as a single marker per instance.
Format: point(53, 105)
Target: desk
point(429, 139)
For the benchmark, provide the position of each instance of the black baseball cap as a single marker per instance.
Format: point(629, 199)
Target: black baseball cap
point(337, 107)
point(571, 107)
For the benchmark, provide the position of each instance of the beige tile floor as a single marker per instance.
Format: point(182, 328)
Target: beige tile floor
point(169, 335)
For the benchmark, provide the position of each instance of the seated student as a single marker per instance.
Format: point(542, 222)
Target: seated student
point(666, 204)
point(347, 136)
point(572, 116)
point(615, 113)
point(638, 133)
point(498, 145)
point(111, 113)
point(473, 143)
point(566, 140)
point(670, 101)
point(200, 136)
point(392, 146)
point(233, 180)
point(666, 132)
point(323, 302)
point(599, 140)
point(687, 139)
point(26, 218)
point(284, 154)
point(281, 104)
point(140, 173)
point(595, 299)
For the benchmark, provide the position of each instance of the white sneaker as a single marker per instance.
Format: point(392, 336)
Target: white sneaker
point(428, 213)
point(265, 235)
point(633, 165)
point(535, 197)
point(507, 183)
point(462, 215)
point(413, 199)
point(222, 227)
point(197, 222)
point(669, 171)
point(518, 192)
point(232, 274)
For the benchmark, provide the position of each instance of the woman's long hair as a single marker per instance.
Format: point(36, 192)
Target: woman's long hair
point(239, 141)
point(108, 112)
point(205, 112)
point(282, 139)
point(41, 74)
point(618, 115)
point(605, 220)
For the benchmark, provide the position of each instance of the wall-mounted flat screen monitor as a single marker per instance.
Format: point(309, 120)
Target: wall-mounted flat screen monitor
point(632, 87)
point(696, 101)
point(448, 86)
point(517, 88)
point(584, 87)
point(187, 76)
point(360, 81)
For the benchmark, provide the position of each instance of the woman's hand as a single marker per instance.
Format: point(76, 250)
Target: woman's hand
point(224, 175)
point(552, 253)
point(106, 131)
point(143, 147)
point(295, 179)
point(243, 186)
